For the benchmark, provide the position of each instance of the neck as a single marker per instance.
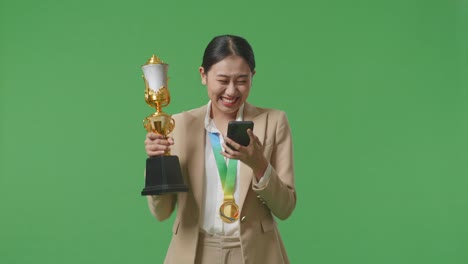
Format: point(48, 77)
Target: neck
point(217, 115)
point(221, 120)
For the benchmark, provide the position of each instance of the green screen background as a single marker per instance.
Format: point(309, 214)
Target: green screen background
point(375, 91)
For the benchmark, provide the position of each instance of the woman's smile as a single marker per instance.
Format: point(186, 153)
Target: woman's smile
point(229, 101)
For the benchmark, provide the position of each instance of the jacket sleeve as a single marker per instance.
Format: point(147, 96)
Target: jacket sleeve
point(161, 206)
point(279, 193)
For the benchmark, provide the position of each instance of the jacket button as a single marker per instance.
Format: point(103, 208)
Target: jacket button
point(243, 219)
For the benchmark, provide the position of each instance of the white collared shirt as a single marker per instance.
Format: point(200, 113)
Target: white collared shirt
point(214, 195)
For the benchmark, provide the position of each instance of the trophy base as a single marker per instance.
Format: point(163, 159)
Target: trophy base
point(163, 175)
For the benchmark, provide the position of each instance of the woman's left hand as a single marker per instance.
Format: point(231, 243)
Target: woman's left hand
point(251, 155)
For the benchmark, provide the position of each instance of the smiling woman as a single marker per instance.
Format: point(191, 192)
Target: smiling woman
point(227, 216)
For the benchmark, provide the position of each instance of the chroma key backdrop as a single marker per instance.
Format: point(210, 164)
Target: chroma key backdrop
point(376, 93)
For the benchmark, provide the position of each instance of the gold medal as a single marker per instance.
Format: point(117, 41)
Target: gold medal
point(229, 211)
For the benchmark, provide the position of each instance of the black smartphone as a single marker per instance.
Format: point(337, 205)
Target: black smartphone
point(237, 131)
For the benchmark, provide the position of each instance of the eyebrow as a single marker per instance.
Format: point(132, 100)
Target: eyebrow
point(238, 76)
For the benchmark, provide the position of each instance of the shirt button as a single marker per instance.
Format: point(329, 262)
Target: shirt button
point(243, 219)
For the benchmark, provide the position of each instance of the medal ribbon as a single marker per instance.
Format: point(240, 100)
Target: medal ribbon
point(228, 173)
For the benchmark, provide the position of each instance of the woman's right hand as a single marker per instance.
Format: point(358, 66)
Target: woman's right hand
point(156, 144)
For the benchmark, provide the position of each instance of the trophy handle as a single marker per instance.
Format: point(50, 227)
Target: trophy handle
point(147, 125)
point(172, 125)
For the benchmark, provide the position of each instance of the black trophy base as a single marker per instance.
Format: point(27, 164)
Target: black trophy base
point(163, 175)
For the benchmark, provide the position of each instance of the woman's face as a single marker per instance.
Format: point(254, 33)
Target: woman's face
point(228, 83)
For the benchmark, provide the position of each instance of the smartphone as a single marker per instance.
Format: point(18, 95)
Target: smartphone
point(237, 131)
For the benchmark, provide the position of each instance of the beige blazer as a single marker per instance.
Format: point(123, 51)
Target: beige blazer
point(259, 236)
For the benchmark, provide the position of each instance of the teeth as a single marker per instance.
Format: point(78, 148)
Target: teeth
point(228, 100)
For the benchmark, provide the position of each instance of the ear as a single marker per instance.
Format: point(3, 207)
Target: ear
point(251, 79)
point(202, 75)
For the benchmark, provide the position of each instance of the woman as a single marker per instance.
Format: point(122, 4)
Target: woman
point(262, 182)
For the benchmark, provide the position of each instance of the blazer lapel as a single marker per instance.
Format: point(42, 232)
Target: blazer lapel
point(196, 149)
point(246, 175)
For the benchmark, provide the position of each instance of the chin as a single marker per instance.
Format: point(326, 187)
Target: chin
point(227, 110)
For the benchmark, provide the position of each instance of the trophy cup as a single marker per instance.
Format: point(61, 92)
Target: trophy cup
point(163, 173)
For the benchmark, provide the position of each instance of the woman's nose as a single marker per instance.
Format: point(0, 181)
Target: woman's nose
point(231, 89)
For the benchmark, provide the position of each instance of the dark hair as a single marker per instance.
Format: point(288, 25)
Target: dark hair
point(224, 46)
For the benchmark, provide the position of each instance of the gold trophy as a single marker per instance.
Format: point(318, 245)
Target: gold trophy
point(163, 173)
